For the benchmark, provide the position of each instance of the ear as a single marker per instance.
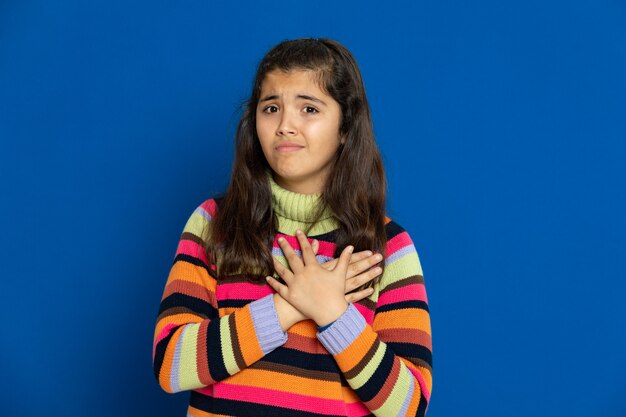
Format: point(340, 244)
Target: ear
point(342, 139)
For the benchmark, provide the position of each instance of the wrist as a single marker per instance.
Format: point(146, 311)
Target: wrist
point(287, 314)
point(331, 313)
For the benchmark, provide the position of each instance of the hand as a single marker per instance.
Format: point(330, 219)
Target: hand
point(316, 292)
point(360, 272)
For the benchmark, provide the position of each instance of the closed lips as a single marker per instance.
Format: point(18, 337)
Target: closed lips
point(288, 147)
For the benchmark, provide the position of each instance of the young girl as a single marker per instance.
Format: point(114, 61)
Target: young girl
point(257, 319)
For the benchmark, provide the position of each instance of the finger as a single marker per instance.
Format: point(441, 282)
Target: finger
point(330, 265)
point(295, 263)
point(357, 256)
point(305, 247)
point(363, 278)
point(359, 295)
point(282, 271)
point(344, 260)
point(281, 289)
point(363, 265)
point(315, 245)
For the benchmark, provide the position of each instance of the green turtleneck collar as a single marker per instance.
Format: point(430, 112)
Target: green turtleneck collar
point(296, 211)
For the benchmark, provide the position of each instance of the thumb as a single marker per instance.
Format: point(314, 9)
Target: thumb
point(344, 259)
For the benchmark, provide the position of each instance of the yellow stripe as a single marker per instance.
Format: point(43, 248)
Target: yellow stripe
point(403, 267)
point(227, 348)
point(367, 372)
point(187, 370)
point(196, 225)
point(398, 393)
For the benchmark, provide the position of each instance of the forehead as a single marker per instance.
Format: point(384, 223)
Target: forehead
point(278, 81)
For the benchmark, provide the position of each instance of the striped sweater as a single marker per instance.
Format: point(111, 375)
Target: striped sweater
point(222, 339)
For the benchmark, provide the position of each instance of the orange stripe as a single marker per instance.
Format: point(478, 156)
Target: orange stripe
point(349, 396)
point(192, 273)
point(250, 348)
point(185, 271)
point(168, 358)
point(176, 319)
point(411, 318)
point(306, 328)
point(353, 354)
point(415, 401)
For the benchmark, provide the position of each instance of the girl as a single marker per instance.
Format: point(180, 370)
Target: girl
point(257, 319)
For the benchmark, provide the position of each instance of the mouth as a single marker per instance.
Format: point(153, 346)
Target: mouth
point(288, 147)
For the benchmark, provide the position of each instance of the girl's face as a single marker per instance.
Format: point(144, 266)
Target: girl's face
point(298, 127)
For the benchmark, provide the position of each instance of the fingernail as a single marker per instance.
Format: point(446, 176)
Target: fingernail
point(370, 290)
point(379, 257)
point(379, 270)
point(368, 253)
point(268, 278)
point(281, 239)
point(298, 232)
point(350, 248)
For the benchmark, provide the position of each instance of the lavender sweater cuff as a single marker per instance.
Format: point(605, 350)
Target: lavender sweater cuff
point(266, 324)
point(343, 331)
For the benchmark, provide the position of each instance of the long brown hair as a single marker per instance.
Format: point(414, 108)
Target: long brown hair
point(243, 230)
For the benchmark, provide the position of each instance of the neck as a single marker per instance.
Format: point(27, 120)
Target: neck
point(299, 211)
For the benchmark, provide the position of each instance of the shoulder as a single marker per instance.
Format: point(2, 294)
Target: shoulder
point(398, 238)
point(200, 218)
point(401, 258)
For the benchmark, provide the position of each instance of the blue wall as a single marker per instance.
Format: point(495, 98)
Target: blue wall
point(503, 129)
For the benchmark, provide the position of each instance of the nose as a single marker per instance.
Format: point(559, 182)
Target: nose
point(286, 126)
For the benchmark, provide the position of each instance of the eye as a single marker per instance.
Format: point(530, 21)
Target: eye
point(310, 109)
point(270, 109)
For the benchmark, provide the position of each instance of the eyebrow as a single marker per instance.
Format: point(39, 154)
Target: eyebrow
point(300, 96)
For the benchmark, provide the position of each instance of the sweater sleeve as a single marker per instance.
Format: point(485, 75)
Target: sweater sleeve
point(193, 346)
point(389, 364)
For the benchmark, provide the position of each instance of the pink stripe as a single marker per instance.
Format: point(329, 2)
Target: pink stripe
point(420, 380)
point(191, 248)
point(409, 292)
point(326, 248)
point(242, 291)
point(357, 410)
point(210, 206)
point(161, 336)
point(366, 313)
point(398, 242)
point(279, 398)
point(208, 390)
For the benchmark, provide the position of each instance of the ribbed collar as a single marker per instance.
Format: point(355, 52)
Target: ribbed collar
point(297, 211)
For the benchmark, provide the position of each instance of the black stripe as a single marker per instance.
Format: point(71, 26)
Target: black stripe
point(304, 360)
point(217, 369)
point(192, 260)
point(403, 304)
point(410, 350)
point(244, 408)
point(393, 229)
point(329, 237)
point(421, 408)
point(159, 353)
point(233, 303)
point(377, 380)
point(193, 303)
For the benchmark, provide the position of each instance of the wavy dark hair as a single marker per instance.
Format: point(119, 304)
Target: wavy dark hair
point(243, 230)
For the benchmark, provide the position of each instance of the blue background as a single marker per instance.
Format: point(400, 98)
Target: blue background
point(502, 126)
